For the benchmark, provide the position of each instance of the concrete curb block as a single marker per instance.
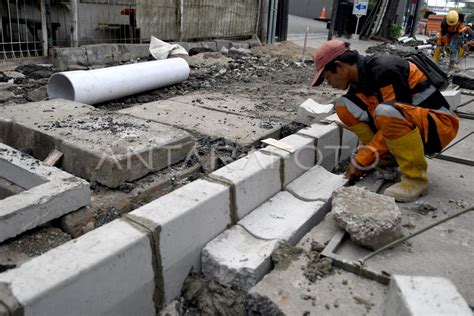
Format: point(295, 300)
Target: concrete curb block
point(49, 193)
point(317, 184)
point(349, 142)
point(183, 222)
point(62, 57)
point(284, 218)
point(255, 178)
point(99, 54)
point(453, 97)
point(295, 164)
point(236, 258)
point(417, 295)
point(327, 141)
point(107, 271)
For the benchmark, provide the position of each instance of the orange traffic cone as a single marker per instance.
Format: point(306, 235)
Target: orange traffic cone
point(323, 14)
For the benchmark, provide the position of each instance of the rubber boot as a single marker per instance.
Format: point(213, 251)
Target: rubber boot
point(461, 52)
point(409, 153)
point(437, 54)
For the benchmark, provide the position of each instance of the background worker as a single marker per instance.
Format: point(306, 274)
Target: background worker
point(393, 108)
point(450, 36)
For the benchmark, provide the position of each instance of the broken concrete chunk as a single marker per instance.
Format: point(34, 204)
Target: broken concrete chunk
point(371, 219)
point(14, 75)
point(236, 258)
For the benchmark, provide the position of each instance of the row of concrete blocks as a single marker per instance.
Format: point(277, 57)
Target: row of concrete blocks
point(99, 54)
point(137, 264)
point(241, 256)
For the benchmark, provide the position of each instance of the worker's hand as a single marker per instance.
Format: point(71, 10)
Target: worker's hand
point(353, 173)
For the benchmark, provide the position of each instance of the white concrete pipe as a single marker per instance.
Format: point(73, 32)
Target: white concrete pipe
point(401, 39)
point(100, 85)
point(423, 46)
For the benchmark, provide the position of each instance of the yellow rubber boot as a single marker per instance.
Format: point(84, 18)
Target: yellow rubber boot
point(409, 153)
point(437, 54)
point(363, 131)
point(461, 52)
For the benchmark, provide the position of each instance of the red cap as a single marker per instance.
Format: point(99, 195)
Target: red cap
point(323, 55)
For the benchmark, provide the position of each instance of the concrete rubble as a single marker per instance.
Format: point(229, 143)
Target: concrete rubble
point(372, 220)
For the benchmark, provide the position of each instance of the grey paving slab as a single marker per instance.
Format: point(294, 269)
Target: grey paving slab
point(107, 147)
point(466, 98)
point(237, 128)
point(469, 108)
point(462, 151)
point(286, 290)
point(230, 103)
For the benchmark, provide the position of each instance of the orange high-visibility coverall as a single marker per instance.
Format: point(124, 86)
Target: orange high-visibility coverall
point(391, 98)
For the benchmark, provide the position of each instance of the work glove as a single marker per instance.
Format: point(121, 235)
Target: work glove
point(353, 173)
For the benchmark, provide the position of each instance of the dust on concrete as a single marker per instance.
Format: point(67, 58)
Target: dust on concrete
point(361, 301)
point(35, 242)
point(284, 255)
point(95, 123)
point(423, 208)
point(203, 296)
point(317, 266)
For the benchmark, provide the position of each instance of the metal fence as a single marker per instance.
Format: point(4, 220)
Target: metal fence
point(197, 19)
point(21, 28)
point(29, 27)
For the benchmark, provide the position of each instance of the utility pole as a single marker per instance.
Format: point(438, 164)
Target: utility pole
point(335, 4)
point(419, 4)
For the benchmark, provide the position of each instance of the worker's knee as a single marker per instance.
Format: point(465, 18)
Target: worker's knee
point(388, 111)
point(352, 113)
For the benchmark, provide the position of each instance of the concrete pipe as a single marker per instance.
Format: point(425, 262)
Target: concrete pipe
point(401, 39)
point(100, 85)
point(423, 46)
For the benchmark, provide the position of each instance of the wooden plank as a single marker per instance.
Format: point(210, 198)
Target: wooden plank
point(53, 158)
point(279, 144)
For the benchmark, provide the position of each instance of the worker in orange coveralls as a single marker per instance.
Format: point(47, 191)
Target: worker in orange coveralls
point(450, 36)
point(393, 108)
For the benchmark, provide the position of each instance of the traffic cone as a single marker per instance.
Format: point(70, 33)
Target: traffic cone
point(323, 14)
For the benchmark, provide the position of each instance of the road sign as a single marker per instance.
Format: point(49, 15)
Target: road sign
point(360, 7)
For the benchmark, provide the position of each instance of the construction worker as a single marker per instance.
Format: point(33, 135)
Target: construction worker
point(393, 108)
point(450, 37)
